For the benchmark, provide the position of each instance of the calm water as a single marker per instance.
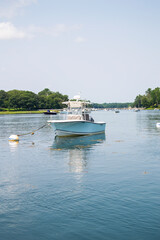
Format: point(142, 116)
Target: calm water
point(98, 187)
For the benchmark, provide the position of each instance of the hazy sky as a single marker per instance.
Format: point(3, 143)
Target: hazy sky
point(109, 50)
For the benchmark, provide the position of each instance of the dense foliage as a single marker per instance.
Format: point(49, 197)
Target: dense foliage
point(151, 98)
point(27, 100)
point(111, 105)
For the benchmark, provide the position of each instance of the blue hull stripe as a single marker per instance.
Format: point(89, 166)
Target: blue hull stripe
point(80, 132)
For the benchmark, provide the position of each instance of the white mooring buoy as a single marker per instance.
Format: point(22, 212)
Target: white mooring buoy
point(158, 125)
point(14, 138)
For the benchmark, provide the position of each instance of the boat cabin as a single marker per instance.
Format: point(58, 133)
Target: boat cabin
point(78, 111)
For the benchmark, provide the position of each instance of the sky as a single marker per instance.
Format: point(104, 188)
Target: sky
point(107, 50)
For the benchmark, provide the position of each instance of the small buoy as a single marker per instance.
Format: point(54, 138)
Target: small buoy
point(158, 125)
point(14, 138)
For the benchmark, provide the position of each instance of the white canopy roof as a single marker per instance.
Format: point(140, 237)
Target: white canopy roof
point(75, 104)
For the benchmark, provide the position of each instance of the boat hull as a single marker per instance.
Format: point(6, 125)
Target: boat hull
point(76, 128)
point(50, 113)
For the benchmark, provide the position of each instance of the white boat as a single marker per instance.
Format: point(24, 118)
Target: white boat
point(77, 123)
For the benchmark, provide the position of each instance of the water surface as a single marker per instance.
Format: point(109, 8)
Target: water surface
point(97, 187)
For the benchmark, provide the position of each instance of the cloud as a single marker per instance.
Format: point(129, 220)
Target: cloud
point(9, 31)
point(80, 40)
point(10, 8)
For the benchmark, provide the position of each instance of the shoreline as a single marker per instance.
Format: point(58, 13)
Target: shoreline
point(42, 111)
point(21, 112)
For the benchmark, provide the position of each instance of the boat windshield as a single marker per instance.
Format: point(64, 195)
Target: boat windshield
point(77, 110)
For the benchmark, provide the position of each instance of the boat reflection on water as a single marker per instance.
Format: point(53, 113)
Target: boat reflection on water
point(78, 142)
point(77, 149)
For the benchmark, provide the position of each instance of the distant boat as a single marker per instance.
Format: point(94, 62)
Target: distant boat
point(136, 110)
point(116, 111)
point(50, 112)
point(78, 123)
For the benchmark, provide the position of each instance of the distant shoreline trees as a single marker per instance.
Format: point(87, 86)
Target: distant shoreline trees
point(151, 99)
point(27, 100)
point(111, 105)
point(47, 99)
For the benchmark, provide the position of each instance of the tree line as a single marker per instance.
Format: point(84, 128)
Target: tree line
point(151, 98)
point(47, 99)
point(27, 100)
point(110, 105)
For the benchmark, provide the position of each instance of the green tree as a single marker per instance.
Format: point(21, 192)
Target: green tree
point(45, 92)
point(42, 102)
point(28, 100)
point(145, 102)
point(155, 94)
point(55, 100)
point(22, 100)
point(149, 97)
point(3, 99)
point(13, 99)
point(138, 101)
point(50, 100)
